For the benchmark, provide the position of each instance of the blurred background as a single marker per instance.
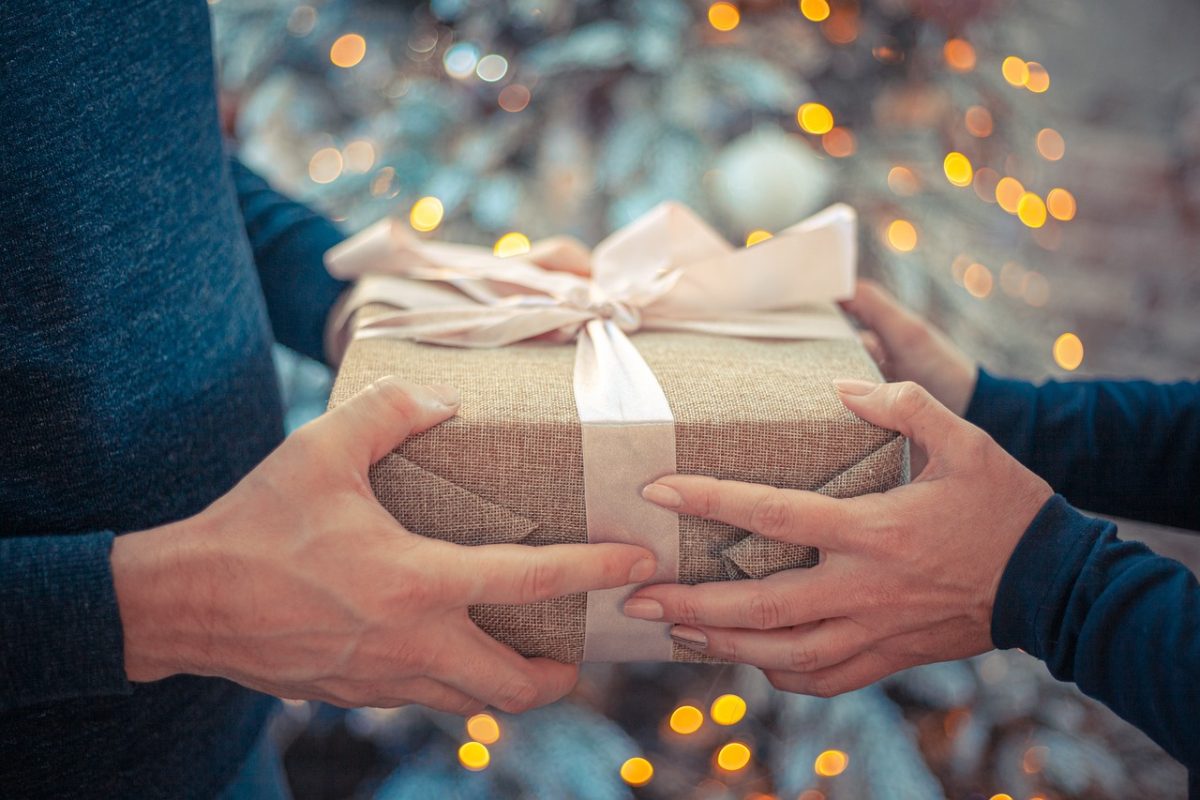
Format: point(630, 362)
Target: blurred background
point(1027, 175)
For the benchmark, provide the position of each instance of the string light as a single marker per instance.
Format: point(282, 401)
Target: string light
point(426, 214)
point(514, 98)
point(511, 244)
point(1031, 210)
point(754, 237)
point(1039, 79)
point(1008, 193)
point(1068, 351)
point(724, 16)
point(1050, 144)
point(483, 728)
point(728, 709)
point(958, 169)
point(637, 771)
point(979, 122)
point(831, 763)
point(1015, 71)
point(815, 10)
point(733, 757)
point(839, 143)
point(687, 719)
point(474, 756)
point(325, 166)
point(959, 55)
point(348, 50)
point(902, 236)
point(814, 118)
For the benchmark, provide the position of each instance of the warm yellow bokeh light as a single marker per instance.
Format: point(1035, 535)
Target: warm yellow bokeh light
point(1001, 796)
point(1061, 204)
point(958, 169)
point(979, 122)
point(977, 280)
point(902, 181)
point(687, 719)
point(426, 214)
point(1068, 351)
point(724, 16)
point(839, 143)
point(483, 728)
point(814, 118)
point(902, 235)
point(753, 238)
point(831, 763)
point(511, 244)
point(474, 756)
point(733, 757)
point(959, 55)
point(815, 10)
point(325, 165)
point(1015, 71)
point(1031, 210)
point(637, 771)
point(728, 709)
point(348, 50)
point(1039, 79)
point(1050, 144)
point(1008, 194)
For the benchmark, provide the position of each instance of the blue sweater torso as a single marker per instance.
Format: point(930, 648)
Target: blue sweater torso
point(144, 276)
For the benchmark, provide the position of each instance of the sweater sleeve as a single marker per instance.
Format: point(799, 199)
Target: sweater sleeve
point(1118, 620)
point(59, 623)
point(289, 242)
point(1127, 448)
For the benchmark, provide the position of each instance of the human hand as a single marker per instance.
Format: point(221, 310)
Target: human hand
point(907, 348)
point(906, 577)
point(299, 584)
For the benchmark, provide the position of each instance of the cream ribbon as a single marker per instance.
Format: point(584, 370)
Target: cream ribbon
point(666, 271)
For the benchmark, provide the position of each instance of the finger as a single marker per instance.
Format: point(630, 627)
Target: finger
point(799, 649)
point(785, 514)
point(853, 673)
point(437, 695)
point(474, 663)
point(877, 309)
point(779, 601)
point(903, 407)
point(874, 347)
point(377, 419)
point(562, 253)
point(514, 573)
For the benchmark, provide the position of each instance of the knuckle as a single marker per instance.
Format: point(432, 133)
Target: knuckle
point(392, 395)
point(538, 581)
point(772, 514)
point(910, 400)
point(686, 610)
point(767, 610)
point(801, 659)
point(517, 696)
point(708, 504)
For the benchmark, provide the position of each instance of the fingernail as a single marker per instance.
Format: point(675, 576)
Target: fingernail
point(448, 395)
point(689, 637)
point(662, 495)
point(642, 570)
point(854, 386)
point(643, 608)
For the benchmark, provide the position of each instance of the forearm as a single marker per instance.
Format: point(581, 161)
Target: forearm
point(1118, 620)
point(1128, 448)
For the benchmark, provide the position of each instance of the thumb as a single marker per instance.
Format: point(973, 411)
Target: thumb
point(377, 419)
point(903, 407)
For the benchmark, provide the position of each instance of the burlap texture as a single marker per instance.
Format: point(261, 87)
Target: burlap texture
point(508, 468)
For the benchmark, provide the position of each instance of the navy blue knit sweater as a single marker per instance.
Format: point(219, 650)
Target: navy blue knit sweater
point(145, 276)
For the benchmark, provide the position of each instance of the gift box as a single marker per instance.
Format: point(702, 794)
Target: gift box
point(555, 437)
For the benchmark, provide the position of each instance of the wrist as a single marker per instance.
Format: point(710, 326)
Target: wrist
point(162, 594)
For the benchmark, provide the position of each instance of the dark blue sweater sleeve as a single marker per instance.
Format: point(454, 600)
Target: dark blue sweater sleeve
point(59, 624)
point(1127, 448)
point(1118, 620)
point(289, 241)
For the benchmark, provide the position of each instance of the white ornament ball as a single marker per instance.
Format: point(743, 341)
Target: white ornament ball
point(768, 179)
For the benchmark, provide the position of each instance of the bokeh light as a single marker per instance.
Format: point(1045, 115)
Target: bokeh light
point(1050, 144)
point(1015, 71)
point(484, 729)
point(985, 183)
point(637, 771)
point(959, 55)
point(903, 181)
point(958, 169)
point(1001, 796)
point(839, 143)
point(831, 763)
point(325, 166)
point(686, 719)
point(460, 60)
point(724, 16)
point(1008, 193)
point(733, 757)
point(359, 156)
point(815, 10)
point(347, 50)
point(1061, 204)
point(474, 756)
point(511, 244)
point(1068, 351)
point(492, 67)
point(514, 98)
point(979, 122)
point(1031, 210)
point(1035, 289)
point(426, 214)
point(1034, 759)
point(977, 280)
point(728, 709)
point(1039, 79)
point(814, 118)
point(756, 236)
point(902, 236)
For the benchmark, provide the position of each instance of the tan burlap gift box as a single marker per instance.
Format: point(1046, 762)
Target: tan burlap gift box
point(508, 468)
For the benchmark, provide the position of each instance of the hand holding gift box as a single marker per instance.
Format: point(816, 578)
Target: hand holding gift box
point(728, 374)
